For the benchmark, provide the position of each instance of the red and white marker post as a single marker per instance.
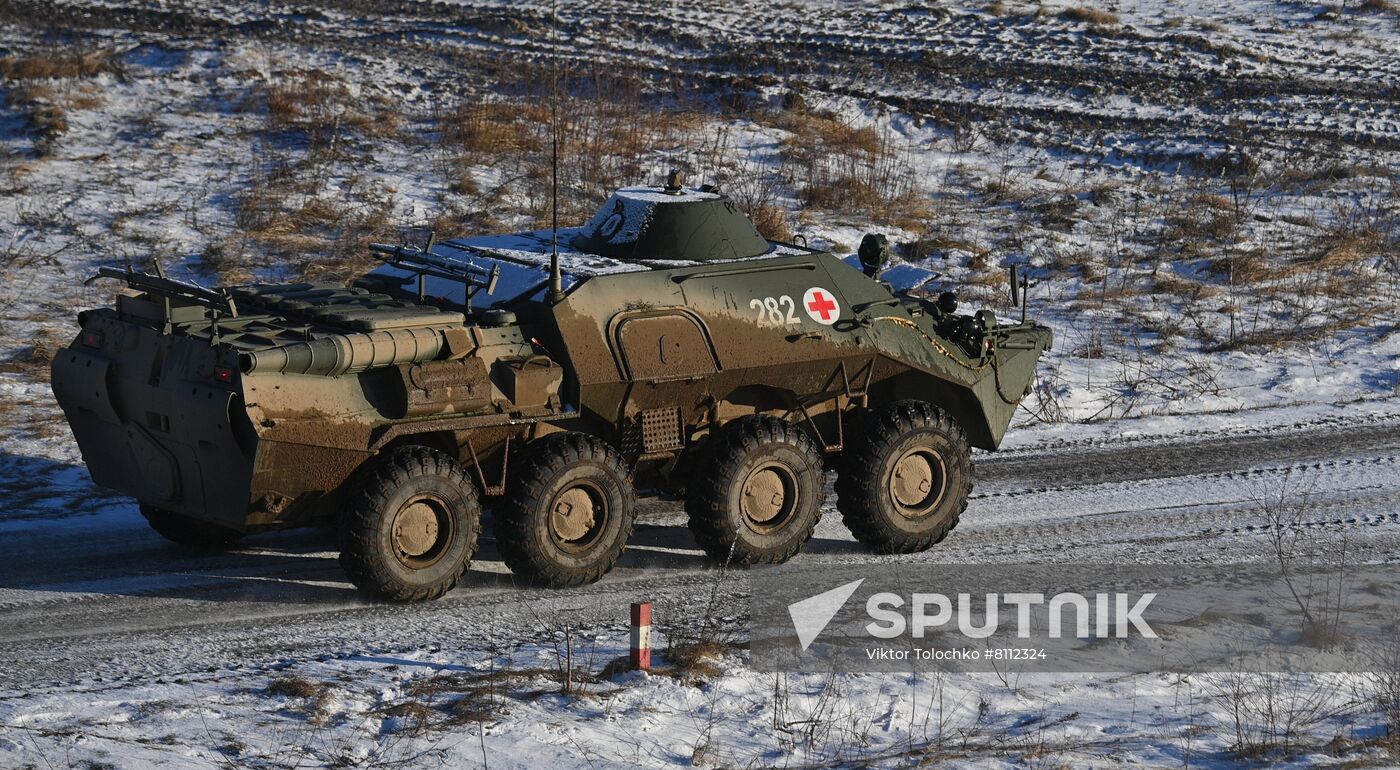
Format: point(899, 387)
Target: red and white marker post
point(641, 636)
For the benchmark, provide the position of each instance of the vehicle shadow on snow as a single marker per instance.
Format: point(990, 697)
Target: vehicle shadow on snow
point(64, 535)
point(61, 534)
point(661, 546)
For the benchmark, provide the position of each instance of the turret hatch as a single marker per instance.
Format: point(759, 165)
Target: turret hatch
point(656, 223)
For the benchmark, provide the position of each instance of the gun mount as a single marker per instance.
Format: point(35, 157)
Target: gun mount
point(425, 263)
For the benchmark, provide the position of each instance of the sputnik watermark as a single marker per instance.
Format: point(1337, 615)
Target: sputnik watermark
point(1067, 617)
point(1111, 614)
point(1102, 615)
point(810, 616)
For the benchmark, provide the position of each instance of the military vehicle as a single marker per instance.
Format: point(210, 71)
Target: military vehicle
point(664, 346)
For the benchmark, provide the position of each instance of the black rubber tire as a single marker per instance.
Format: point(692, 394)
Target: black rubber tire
point(559, 464)
point(714, 501)
point(399, 479)
point(187, 531)
point(864, 493)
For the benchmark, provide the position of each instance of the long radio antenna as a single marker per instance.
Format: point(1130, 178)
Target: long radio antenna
point(556, 279)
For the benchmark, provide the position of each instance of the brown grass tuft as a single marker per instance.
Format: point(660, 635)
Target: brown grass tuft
point(324, 105)
point(499, 127)
point(696, 660)
point(316, 697)
point(1345, 249)
point(295, 687)
point(1245, 268)
point(1086, 15)
point(610, 133)
point(56, 64)
point(1167, 283)
point(840, 167)
point(46, 111)
point(841, 194)
point(771, 222)
point(32, 359)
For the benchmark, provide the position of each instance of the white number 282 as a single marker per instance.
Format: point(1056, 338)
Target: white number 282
point(774, 311)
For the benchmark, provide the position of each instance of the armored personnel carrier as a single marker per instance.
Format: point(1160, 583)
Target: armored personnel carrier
point(663, 347)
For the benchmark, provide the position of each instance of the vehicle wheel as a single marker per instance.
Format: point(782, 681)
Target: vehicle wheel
point(411, 528)
point(759, 493)
point(902, 488)
point(567, 512)
point(187, 531)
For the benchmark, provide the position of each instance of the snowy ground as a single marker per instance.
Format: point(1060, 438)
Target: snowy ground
point(439, 708)
point(264, 657)
point(1205, 194)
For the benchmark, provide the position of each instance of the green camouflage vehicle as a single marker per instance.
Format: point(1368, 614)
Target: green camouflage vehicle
point(663, 347)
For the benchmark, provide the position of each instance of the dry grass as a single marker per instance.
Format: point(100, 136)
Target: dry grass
point(47, 115)
point(1304, 177)
point(1380, 6)
point(841, 194)
point(306, 207)
point(610, 133)
point(476, 697)
point(1244, 268)
point(42, 88)
point(315, 696)
point(55, 64)
point(695, 660)
point(1291, 329)
point(840, 167)
point(499, 128)
point(38, 88)
point(295, 687)
point(812, 134)
point(1058, 212)
point(416, 717)
point(1345, 250)
point(325, 106)
point(31, 360)
point(1200, 230)
point(1087, 15)
point(1167, 283)
point(293, 220)
point(771, 221)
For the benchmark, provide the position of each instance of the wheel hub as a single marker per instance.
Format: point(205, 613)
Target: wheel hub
point(764, 495)
point(574, 514)
point(416, 528)
point(917, 480)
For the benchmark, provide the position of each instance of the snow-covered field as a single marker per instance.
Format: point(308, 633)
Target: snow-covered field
point(121, 649)
point(1204, 194)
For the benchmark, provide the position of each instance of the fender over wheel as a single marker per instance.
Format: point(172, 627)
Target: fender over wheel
point(903, 485)
point(567, 512)
point(411, 529)
point(758, 495)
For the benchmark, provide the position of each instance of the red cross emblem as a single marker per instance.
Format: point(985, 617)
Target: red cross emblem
point(821, 306)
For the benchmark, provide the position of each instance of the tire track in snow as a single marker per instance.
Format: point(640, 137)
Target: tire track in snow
point(1045, 81)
